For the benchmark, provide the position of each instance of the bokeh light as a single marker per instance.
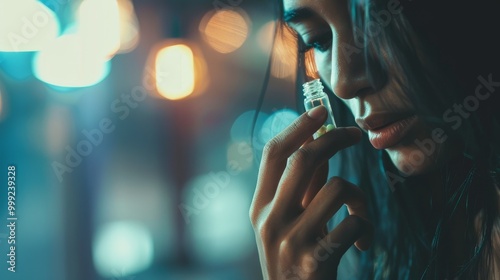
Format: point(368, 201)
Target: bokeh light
point(67, 63)
point(127, 220)
point(225, 30)
point(123, 247)
point(240, 155)
point(129, 26)
point(27, 25)
point(175, 72)
point(114, 28)
point(278, 121)
point(218, 198)
point(241, 130)
point(98, 24)
point(265, 36)
point(284, 62)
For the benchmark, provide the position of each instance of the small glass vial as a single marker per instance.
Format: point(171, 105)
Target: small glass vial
point(315, 96)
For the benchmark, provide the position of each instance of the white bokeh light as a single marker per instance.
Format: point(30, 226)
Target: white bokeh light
point(218, 229)
point(67, 63)
point(98, 24)
point(125, 247)
point(27, 25)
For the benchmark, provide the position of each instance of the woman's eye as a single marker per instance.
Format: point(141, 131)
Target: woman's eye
point(320, 43)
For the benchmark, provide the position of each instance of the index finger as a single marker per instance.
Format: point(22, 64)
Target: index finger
point(278, 149)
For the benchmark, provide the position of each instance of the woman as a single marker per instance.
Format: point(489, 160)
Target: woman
point(421, 79)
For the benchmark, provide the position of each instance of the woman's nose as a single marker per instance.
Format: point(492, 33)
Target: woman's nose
point(348, 74)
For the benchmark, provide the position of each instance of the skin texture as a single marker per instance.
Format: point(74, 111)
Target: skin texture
point(328, 24)
point(292, 202)
point(289, 214)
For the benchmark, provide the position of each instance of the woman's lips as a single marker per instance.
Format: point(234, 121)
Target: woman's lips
point(389, 135)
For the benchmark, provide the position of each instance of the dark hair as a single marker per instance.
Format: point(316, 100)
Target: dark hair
point(437, 67)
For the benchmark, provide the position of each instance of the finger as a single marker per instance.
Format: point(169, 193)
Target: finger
point(334, 245)
point(328, 201)
point(318, 180)
point(309, 140)
point(278, 149)
point(302, 164)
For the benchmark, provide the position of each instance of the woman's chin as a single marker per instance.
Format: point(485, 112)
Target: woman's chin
point(423, 150)
point(411, 161)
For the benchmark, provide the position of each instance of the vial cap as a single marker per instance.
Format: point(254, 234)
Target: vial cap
point(312, 87)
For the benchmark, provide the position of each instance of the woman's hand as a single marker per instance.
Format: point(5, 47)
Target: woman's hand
point(292, 203)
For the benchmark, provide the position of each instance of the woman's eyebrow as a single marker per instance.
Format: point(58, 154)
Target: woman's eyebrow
point(298, 14)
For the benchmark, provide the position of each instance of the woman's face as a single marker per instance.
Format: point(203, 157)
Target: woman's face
point(385, 114)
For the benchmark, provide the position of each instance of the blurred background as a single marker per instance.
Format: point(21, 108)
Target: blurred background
point(129, 124)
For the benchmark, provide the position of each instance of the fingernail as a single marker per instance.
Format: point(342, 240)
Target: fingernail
point(317, 112)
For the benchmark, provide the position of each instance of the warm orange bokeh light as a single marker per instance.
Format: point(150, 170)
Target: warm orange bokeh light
point(175, 72)
point(226, 30)
point(284, 60)
point(129, 26)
